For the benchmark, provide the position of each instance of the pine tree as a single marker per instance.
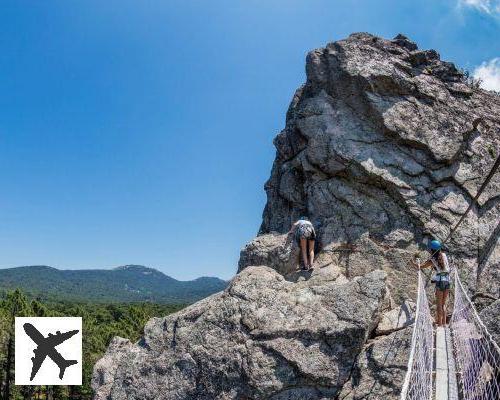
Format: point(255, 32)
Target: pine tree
point(16, 305)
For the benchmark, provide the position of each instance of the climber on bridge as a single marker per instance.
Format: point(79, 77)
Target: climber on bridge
point(439, 262)
point(304, 232)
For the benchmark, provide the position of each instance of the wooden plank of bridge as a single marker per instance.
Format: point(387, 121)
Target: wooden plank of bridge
point(446, 379)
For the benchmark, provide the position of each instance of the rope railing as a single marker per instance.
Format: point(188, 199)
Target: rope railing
point(418, 380)
point(477, 354)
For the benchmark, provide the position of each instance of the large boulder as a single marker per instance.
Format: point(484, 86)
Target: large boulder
point(397, 318)
point(262, 338)
point(279, 251)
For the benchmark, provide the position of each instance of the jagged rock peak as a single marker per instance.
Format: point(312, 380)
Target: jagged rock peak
point(384, 147)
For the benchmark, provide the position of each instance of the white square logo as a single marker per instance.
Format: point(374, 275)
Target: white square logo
point(48, 350)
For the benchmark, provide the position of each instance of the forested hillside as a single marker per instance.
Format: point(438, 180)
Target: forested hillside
point(130, 283)
point(100, 323)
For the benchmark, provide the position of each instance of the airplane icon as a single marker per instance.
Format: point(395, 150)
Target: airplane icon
point(46, 347)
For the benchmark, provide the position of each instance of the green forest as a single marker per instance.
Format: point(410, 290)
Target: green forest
point(101, 322)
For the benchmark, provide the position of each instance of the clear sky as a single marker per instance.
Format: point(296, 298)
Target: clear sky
point(141, 131)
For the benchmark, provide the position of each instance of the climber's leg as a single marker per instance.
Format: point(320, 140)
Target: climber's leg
point(443, 310)
point(311, 253)
point(303, 251)
point(439, 306)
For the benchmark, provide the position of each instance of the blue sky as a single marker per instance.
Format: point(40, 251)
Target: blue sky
point(141, 131)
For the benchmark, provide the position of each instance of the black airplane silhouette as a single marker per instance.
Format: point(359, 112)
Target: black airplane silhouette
point(46, 347)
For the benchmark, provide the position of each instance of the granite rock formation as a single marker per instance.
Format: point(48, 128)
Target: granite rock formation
point(385, 145)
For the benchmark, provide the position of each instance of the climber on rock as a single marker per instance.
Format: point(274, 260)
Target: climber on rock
point(304, 232)
point(439, 262)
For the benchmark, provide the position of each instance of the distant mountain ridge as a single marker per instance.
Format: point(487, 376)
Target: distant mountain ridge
point(128, 283)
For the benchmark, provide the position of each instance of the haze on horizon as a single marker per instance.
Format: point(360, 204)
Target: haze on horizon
point(134, 133)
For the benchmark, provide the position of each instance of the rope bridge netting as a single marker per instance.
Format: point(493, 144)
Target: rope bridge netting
point(418, 380)
point(476, 353)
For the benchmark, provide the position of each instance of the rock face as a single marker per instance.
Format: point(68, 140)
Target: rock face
point(380, 369)
point(262, 338)
point(489, 316)
point(280, 251)
point(384, 146)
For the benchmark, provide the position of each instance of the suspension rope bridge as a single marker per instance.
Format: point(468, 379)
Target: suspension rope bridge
point(461, 361)
point(471, 351)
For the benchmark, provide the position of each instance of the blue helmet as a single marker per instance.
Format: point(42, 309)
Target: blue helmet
point(304, 218)
point(435, 245)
